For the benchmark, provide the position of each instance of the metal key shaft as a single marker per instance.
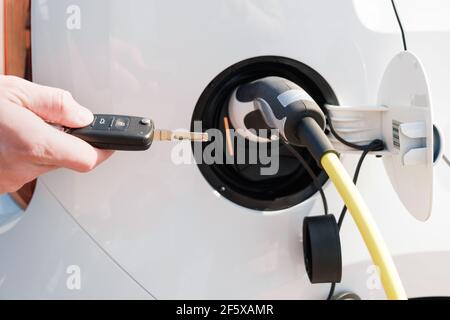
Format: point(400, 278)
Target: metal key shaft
point(169, 135)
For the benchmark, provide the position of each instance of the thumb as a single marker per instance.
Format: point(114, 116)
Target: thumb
point(54, 105)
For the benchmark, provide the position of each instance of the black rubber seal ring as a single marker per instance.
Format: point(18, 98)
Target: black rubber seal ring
point(211, 107)
point(322, 249)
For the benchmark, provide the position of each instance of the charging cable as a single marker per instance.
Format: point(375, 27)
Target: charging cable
point(367, 227)
point(312, 136)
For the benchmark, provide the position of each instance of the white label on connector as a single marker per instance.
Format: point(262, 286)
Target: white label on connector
point(293, 95)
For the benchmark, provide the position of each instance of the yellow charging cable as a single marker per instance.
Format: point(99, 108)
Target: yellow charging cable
point(367, 227)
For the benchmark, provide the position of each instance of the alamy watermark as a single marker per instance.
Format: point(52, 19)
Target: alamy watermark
point(73, 21)
point(232, 147)
point(73, 281)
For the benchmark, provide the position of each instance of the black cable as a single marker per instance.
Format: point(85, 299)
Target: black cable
point(311, 173)
point(331, 293)
point(355, 180)
point(375, 145)
point(400, 24)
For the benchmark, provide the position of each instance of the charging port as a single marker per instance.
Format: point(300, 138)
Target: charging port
point(244, 184)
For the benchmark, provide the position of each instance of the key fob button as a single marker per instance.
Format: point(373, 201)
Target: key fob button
point(120, 123)
point(145, 121)
point(103, 122)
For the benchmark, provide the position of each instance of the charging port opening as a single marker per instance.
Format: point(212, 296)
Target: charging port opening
point(244, 184)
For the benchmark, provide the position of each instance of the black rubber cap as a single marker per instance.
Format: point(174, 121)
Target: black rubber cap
point(322, 249)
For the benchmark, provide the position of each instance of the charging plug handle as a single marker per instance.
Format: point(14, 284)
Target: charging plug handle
point(312, 136)
point(282, 103)
point(285, 106)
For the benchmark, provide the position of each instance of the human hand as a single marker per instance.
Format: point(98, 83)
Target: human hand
point(29, 146)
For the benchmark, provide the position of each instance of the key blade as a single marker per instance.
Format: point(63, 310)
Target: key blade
point(191, 136)
point(162, 135)
point(168, 135)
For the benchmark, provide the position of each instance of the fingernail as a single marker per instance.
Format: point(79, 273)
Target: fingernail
point(85, 116)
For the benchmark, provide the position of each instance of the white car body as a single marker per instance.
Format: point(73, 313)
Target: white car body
point(140, 226)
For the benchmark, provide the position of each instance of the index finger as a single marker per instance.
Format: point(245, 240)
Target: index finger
point(51, 104)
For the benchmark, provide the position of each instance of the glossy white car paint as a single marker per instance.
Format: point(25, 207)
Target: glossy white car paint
point(162, 223)
point(45, 254)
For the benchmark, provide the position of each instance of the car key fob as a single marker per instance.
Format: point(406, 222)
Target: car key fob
point(117, 132)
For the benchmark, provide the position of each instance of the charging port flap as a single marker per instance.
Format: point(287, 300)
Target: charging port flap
point(402, 118)
point(408, 133)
